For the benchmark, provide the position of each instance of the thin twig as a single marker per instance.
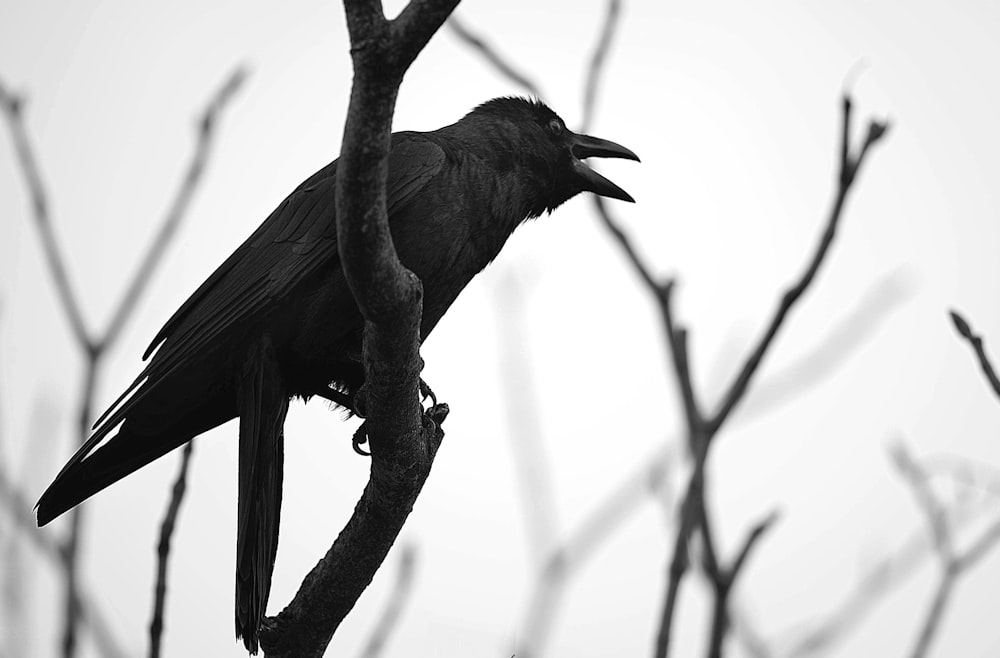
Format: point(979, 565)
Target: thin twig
point(943, 546)
point(877, 581)
point(963, 328)
point(577, 548)
point(397, 603)
point(849, 168)
point(163, 551)
point(94, 348)
point(499, 62)
point(179, 206)
point(524, 422)
point(703, 430)
point(952, 564)
point(597, 59)
point(626, 244)
point(724, 581)
point(18, 508)
point(13, 106)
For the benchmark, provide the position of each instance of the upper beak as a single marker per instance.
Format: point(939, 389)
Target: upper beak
point(584, 146)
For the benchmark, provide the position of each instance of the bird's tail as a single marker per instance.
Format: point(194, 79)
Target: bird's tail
point(262, 405)
point(162, 419)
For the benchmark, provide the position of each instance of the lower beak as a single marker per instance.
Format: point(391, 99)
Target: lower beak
point(585, 146)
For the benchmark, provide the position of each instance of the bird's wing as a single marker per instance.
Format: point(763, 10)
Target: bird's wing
point(296, 239)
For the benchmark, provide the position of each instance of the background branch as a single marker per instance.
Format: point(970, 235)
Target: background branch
point(95, 347)
point(963, 328)
point(398, 599)
point(491, 55)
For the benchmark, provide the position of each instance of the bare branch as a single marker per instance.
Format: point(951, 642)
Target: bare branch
point(12, 107)
point(163, 550)
point(986, 542)
point(520, 397)
point(579, 546)
point(703, 430)
point(19, 508)
point(597, 59)
point(179, 206)
point(748, 544)
point(625, 243)
point(963, 328)
point(397, 602)
point(952, 565)
point(499, 62)
point(849, 167)
point(723, 583)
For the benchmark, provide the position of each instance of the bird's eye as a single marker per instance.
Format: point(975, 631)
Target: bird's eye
point(555, 127)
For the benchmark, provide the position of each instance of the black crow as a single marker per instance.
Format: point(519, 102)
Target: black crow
point(277, 319)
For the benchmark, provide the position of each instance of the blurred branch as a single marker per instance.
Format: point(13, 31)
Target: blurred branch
point(18, 508)
point(703, 429)
point(963, 328)
point(952, 563)
point(573, 552)
point(726, 578)
point(179, 206)
point(163, 551)
point(500, 63)
point(95, 347)
point(397, 602)
point(12, 106)
point(523, 416)
point(849, 167)
point(878, 580)
point(832, 351)
point(608, 29)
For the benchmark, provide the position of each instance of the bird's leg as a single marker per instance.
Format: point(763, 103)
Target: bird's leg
point(361, 434)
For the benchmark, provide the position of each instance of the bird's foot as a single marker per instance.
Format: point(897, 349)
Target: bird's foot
point(435, 414)
point(359, 439)
point(426, 392)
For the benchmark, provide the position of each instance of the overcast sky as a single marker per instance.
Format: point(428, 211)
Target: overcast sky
point(734, 109)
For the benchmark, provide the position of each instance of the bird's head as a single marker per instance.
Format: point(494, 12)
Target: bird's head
point(537, 139)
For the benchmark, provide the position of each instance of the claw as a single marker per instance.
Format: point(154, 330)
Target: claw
point(359, 439)
point(426, 392)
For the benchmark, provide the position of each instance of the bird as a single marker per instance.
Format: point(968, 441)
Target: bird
point(277, 319)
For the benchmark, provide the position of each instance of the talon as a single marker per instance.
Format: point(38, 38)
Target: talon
point(359, 439)
point(426, 392)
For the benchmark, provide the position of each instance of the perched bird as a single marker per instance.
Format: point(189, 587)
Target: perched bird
point(277, 319)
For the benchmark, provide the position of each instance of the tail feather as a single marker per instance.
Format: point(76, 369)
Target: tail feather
point(262, 404)
point(168, 417)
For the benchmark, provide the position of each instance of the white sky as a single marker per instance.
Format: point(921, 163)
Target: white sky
point(734, 109)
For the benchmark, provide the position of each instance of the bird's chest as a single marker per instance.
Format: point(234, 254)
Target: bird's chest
point(446, 250)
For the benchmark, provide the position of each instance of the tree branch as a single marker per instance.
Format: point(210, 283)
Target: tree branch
point(403, 439)
point(608, 29)
point(12, 106)
point(163, 551)
point(397, 602)
point(178, 207)
point(976, 341)
point(490, 54)
point(94, 348)
point(703, 430)
point(90, 610)
point(849, 168)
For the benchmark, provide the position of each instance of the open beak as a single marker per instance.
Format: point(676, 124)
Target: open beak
point(584, 146)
